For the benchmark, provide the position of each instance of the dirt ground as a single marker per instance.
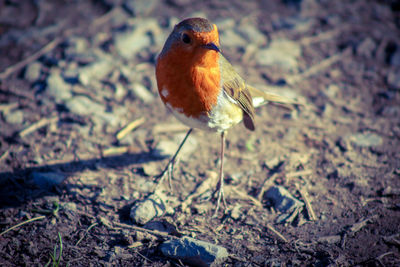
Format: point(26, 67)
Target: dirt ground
point(71, 178)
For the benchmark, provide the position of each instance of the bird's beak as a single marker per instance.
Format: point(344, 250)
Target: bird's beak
point(212, 46)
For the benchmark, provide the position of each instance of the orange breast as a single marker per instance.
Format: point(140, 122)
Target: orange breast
point(192, 83)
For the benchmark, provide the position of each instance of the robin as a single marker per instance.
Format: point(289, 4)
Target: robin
point(202, 89)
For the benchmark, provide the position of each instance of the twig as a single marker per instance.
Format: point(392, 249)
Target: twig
point(272, 229)
point(86, 232)
point(22, 223)
point(318, 67)
point(47, 48)
point(153, 232)
point(358, 226)
point(310, 210)
point(143, 256)
point(37, 125)
point(4, 155)
point(5, 108)
point(298, 173)
point(128, 128)
point(243, 195)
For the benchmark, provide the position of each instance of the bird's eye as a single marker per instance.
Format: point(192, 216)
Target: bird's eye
point(186, 38)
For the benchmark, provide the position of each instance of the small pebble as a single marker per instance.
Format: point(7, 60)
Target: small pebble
point(144, 211)
point(282, 53)
point(128, 44)
point(393, 79)
point(194, 252)
point(82, 105)
point(14, 117)
point(284, 202)
point(57, 87)
point(366, 139)
point(141, 92)
point(33, 71)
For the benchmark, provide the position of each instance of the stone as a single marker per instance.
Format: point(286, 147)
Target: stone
point(97, 70)
point(395, 58)
point(252, 34)
point(281, 53)
point(166, 148)
point(129, 43)
point(393, 79)
point(57, 87)
point(82, 105)
point(14, 117)
point(194, 252)
point(140, 8)
point(47, 180)
point(152, 207)
point(142, 92)
point(33, 71)
point(366, 139)
point(284, 202)
point(366, 48)
point(230, 38)
point(225, 24)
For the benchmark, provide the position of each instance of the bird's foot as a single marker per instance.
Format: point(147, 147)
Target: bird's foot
point(220, 196)
point(167, 172)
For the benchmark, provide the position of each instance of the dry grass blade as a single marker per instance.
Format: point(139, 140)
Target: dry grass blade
point(272, 229)
point(130, 127)
point(20, 224)
point(310, 210)
point(37, 125)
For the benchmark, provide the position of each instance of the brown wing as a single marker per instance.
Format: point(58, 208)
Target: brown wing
point(236, 89)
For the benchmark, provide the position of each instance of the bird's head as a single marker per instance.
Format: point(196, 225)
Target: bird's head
point(193, 36)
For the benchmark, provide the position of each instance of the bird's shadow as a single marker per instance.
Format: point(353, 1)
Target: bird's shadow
point(18, 186)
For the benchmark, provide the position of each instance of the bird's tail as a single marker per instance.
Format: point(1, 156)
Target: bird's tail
point(262, 97)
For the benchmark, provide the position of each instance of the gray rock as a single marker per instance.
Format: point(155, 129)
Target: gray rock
point(81, 105)
point(284, 202)
point(144, 211)
point(231, 38)
point(393, 79)
point(366, 48)
point(166, 148)
point(97, 70)
point(139, 8)
point(14, 117)
point(395, 59)
point(281, 53)
point(57, 87)
point(76, 46)
point(47, 180)
point(225, 24)
point(142, 93)
point(366, 139)
point(194, 252)
point(33, 71)
point(252, 34)
point(129, 43)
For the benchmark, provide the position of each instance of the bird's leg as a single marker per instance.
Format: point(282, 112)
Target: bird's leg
point(170, 166)
point(220, 185)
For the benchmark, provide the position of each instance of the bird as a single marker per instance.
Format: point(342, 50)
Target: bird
point(201, 88)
